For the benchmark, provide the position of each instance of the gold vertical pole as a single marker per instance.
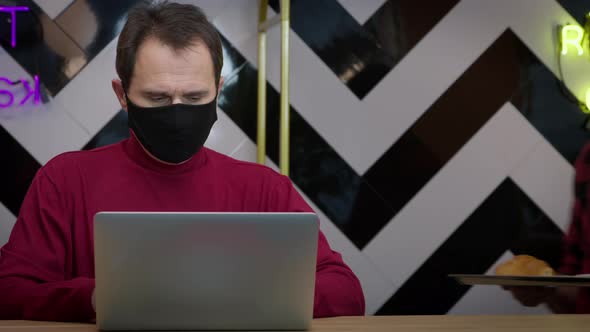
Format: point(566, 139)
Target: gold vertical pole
point(261, 127)
point(285, 119)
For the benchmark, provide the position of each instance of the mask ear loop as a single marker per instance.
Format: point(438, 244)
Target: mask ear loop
point(129, 101)
point(126, 97)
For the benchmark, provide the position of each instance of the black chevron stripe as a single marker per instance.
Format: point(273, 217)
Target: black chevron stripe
point(114, 131)
point(16, 172)
point(361, 55)
point(506, 220)
point(577, 9)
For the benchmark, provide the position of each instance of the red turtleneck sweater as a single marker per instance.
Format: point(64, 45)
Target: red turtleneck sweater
point(47, 267)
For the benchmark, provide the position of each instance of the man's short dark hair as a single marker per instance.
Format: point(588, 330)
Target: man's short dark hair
point(175, 25)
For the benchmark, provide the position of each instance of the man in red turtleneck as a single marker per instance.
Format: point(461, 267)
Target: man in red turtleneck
point(169, 61)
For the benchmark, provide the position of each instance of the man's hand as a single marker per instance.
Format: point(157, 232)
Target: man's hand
point(531, 296)
point(560, 300)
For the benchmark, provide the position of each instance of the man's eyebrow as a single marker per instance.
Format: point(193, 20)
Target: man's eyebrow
point(196, 93)
point(154, 92)
point(157, 93)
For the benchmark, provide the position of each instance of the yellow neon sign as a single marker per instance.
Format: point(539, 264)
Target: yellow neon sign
point(572, 35)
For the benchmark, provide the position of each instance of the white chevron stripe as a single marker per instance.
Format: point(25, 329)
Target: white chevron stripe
point(213, 8)
point(362, 10)
point(225, 136)
point(240, 21)
point(7, 220)
point(89, 98)
point(452, 195)
point(53, 7)
point(548, 180)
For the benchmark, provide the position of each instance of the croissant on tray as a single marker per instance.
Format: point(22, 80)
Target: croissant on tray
point(524, 265)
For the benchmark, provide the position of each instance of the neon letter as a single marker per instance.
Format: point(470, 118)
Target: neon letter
point(35, 91)
point(12, 11)
point(7, 93)
point(575, 40)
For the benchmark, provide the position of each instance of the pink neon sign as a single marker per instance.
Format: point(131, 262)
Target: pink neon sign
point(6, 96)
point(12, 11)
point(8, 99)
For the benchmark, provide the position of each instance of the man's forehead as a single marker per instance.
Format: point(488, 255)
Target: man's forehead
point(174, 86)
point(156, 58)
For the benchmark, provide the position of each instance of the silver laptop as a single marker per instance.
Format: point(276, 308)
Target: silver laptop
point(205, 271)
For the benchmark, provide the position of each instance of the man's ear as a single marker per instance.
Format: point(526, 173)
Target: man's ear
point(120, 92)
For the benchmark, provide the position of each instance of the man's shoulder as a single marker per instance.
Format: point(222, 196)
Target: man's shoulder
point(584, 155)
point(68, 161)
point(582, 165)
point(240, 168)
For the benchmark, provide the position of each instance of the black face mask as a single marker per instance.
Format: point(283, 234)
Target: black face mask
point(172, 133)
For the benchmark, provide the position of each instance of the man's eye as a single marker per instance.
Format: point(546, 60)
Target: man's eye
point(158, 99)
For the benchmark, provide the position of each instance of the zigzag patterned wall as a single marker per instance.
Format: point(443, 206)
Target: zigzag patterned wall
point(431, 138)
